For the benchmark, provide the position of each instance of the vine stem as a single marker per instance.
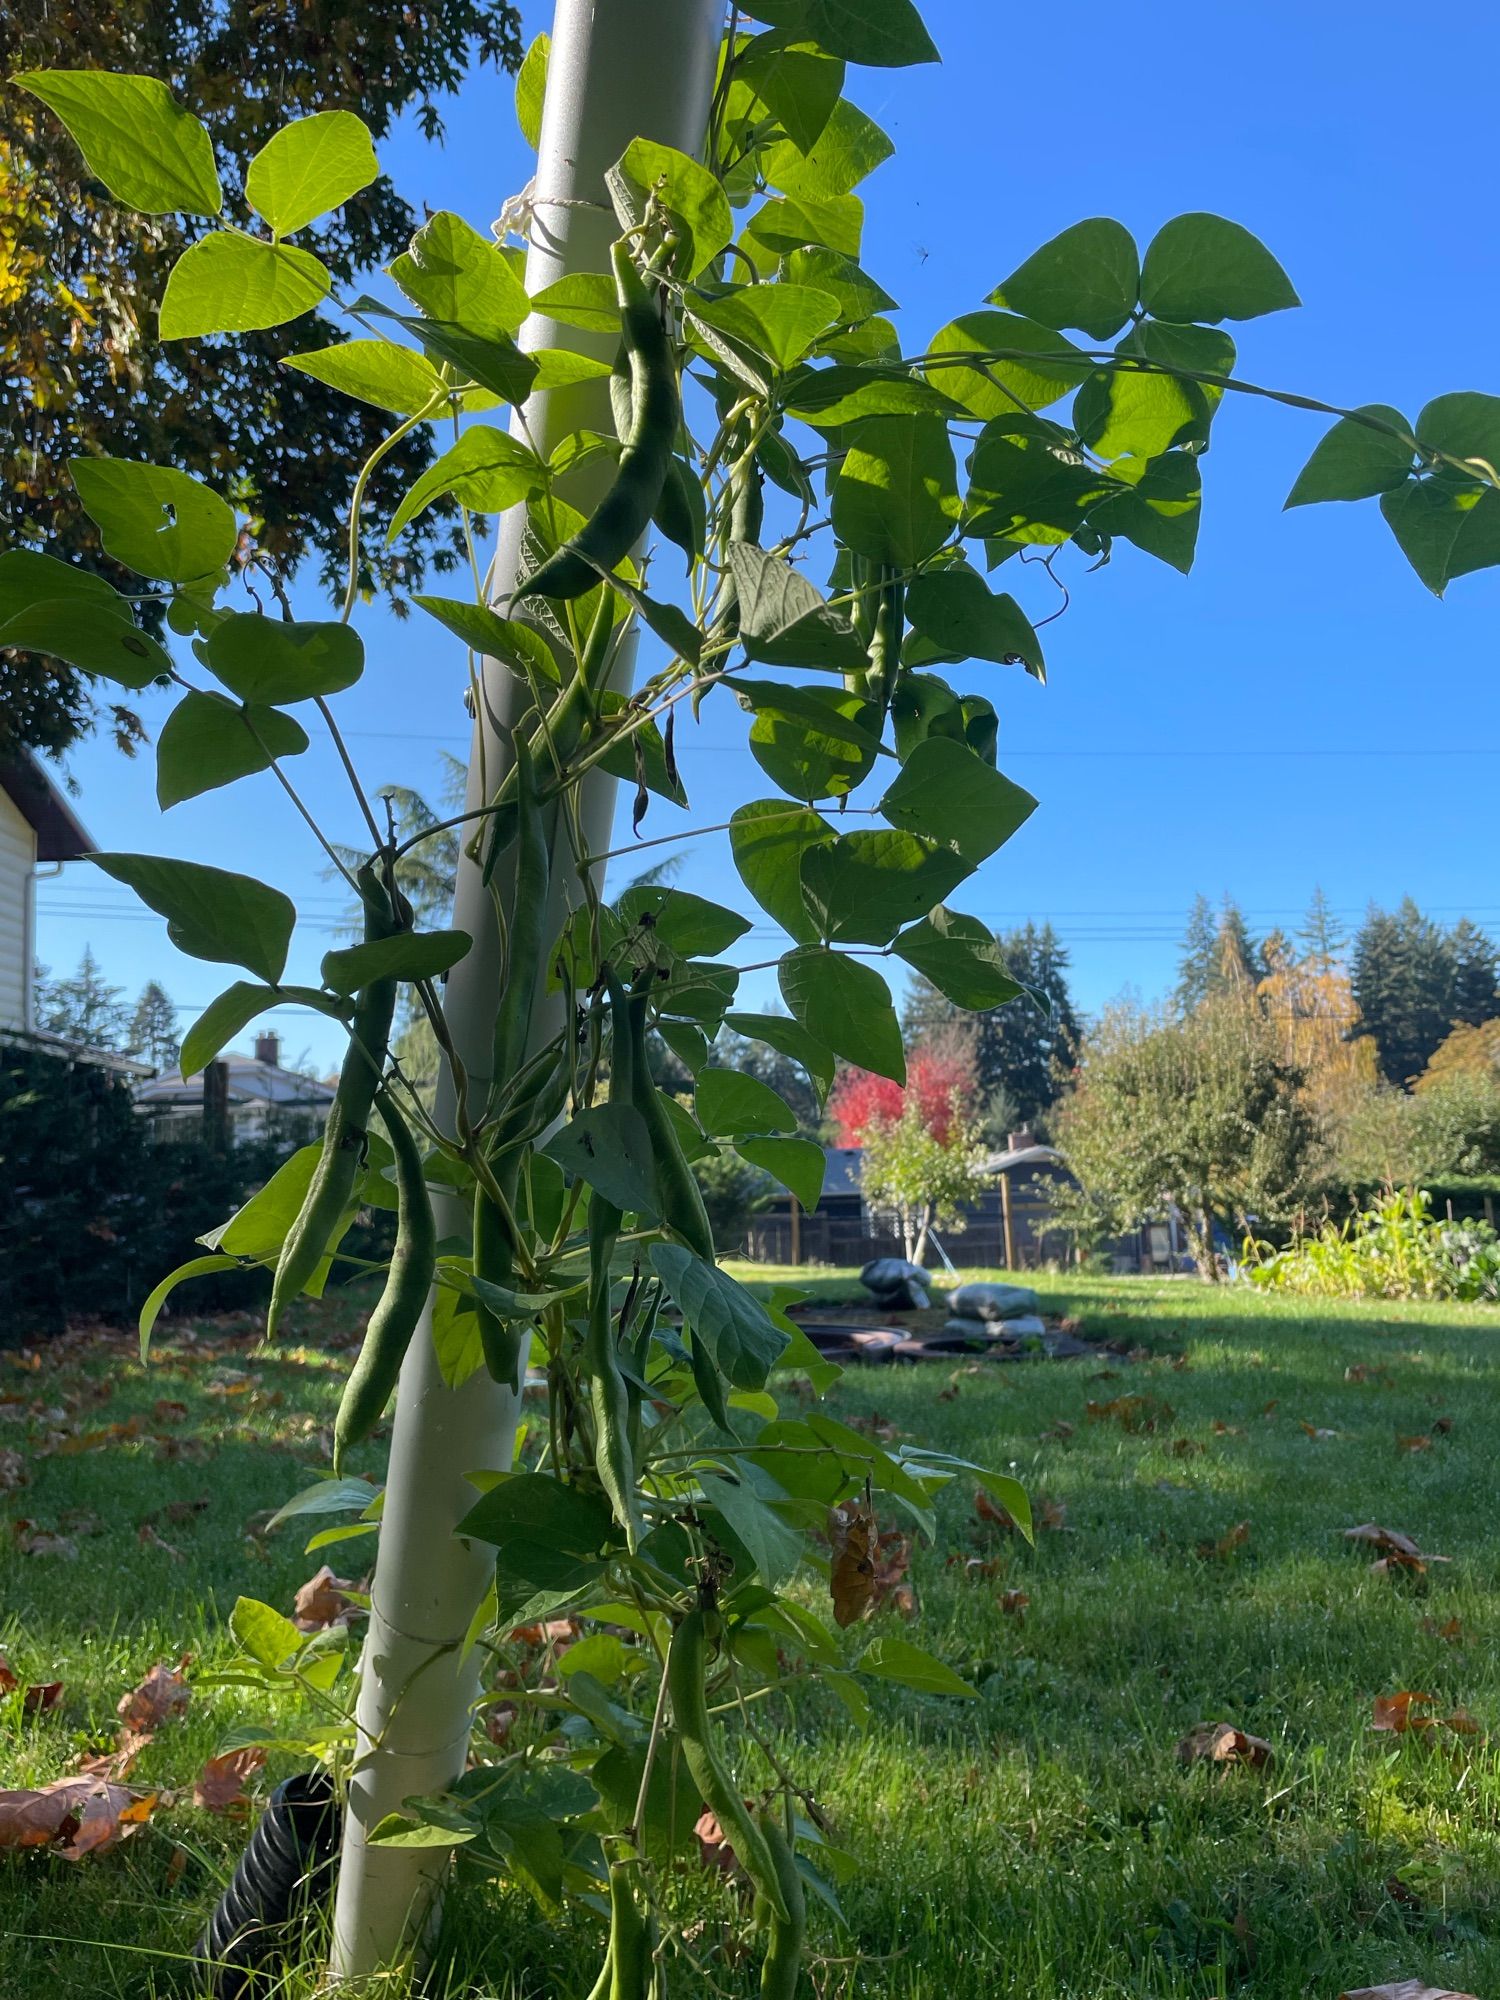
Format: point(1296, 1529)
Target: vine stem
point(388, 444)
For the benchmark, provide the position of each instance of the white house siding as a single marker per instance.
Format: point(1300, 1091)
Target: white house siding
point(17, 859)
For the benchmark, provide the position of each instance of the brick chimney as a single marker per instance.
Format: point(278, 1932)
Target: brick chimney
point(1020, 1142)
point(268, 1050)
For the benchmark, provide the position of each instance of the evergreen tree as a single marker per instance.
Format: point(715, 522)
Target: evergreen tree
point(1475, 998)
point(1195, 961)
point(1413, 980)
point(1218, 955)
point(1321, 935)
point(1023, 1050)
point(153, 1028)
point(85, 1009)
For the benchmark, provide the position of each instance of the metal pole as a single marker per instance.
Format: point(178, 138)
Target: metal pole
point(618, 69)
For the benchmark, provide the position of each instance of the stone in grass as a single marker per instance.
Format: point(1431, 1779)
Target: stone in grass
point(965, 1326)
point(985, 1301)
point(898, 1286)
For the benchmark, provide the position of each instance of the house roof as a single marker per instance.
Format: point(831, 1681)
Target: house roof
point(251, 1081)
point(60, 835)
point(1024, 1156)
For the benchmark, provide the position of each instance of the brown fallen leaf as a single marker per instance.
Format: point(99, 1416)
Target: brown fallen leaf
point(161, 1695)
point(75, 1816)
point(1393, 1712)
point(118, 1762)
point(8, 1679)
point(1413, 1443)
point(1132, 1413)
point(42, 1697)
point(892, 1560)
point(220, 1785)
point(1186, 1447)
point(1400, 1554)
point(851, 1576)
point(34, 1541)
point(1442, 1426)
point(1221, 1429)
point(1013, 1603)
point(714, 1851)
point(1221, 1550)
point(1060, 1432)
point(1369, 1371)
point(1221, 1743)
point(1404, 1989)
point(1450, 1629)
point(149, 1538)
point(323, 1601)
point(166, 1411)
point(1316, 1432)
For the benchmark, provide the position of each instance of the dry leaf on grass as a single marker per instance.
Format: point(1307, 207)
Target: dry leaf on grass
point(1413, 1443)
point(1132, 1413)
point(324, 1600)
point(147, 1536)
point(161, 1695)
point(851, 1575)
point(1013, 1603)
point(1450, 1629)
point(1406, 1714)
point(34, 1541)
point(892, 1555)
point(714, 1851)
point(1404, 1989)
point(220, 1785)
point(1221, 1550)
point(41, 1697)
point(1399, 1553)
point(8, 1678)
point(73, 1816)
point(1221, 1743)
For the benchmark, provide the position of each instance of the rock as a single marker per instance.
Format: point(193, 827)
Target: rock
point(897, 1285)
point(981, 1301)
point(979, 1331)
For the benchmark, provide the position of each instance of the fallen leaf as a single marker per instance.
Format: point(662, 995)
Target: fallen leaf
point(34, 1541)
point(147, 1535)
point(118, 1762)
point(714, 1851)
point(8, 1678)
point(166, 1411)
point(1369, 1371)
point(1442, 1426)
point(1131, 1413)
point(1232, 1539)
point(1450, 1629)
point(1060, 1431)
point(42, 1697)
point(851, 1576)
point(892, 1560)
point(1393, 1712)
point(1400, 1553)
point(1185, 1448)
point(323, 1601)
point(1221, 1429)
point(1013, 1603)
point(1222, 1743)
point(1404, 1989)
point(161, 1695)
point(1315, 1432)
point(76, 1816)
point(220, 1785)
point(1413, 1443)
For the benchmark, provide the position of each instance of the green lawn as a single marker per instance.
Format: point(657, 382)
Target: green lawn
point(1040, 1841)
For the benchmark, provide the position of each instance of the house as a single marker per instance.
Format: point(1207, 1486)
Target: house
point(39, 831)
point(248, 1098)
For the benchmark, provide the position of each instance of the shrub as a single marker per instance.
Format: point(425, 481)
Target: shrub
point(1398, 1249)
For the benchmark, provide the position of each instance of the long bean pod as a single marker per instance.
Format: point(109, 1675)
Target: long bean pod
point(781, 1969)
point(344, 1136)
point(399, 1308)
point(624, 514)
point(681, 1198)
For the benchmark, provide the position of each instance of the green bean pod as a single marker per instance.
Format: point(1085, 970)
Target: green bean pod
point(624, 514)
point(394, 1320)
point(528, 921)
point(781, 1969)
point(681, 1198)
point(504, 1342)
point(609, 1396)
point(687, 1670)
point(344, 1136)
point(628, 1968)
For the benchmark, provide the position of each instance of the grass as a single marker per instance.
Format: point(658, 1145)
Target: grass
point(1040, 1841)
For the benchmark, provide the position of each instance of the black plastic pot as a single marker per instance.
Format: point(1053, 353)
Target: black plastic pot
point(285, 1872)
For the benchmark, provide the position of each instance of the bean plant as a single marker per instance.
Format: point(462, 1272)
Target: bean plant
point(805, 521)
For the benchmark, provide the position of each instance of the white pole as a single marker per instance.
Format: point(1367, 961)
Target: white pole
point(618, 70)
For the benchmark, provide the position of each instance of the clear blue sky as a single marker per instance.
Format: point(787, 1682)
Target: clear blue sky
point(1298, 710)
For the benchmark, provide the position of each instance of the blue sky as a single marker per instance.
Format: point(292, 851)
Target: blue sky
point(1298, 710)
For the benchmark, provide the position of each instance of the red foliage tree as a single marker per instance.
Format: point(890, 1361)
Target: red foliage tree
point(940, 1082)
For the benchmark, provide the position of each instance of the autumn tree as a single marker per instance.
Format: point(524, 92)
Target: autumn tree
point(1307, 998)
point(921, 1155)
point(81, 368)
point(1414, 980)
point(1218, 953)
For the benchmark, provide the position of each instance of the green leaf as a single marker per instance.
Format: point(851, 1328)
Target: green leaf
point(309, 167)
point(798, 82)
point(896, 495)
point(814, 742)
point(410, 955)
point(1353, 462)
point(687, 1043)
point(885, 34)
point(396, 1830)
point(789, 1038)
point(845, 1005)
point(849, 148)
point(672, 1801)
point(520, 647)
point(155, 519)
point(487, 470)
point(457, 1342)
point(899, 1660)
point(768, 839)
point(689, 191)
point(1159, 511)
point(864, 886)
point(195, 1267)
point(741, 1336)
point(258, 1229)
point(955, 608)
point(1086, 277)
point(493, 361)
point(269, 660)
point(960, 957)
point(1027, 483)
point(228, 283)
point(582, 298)
point(208, 741)
point(784, 620)
point(855, 290)
point(798, 1164)
point(135, 137)
point(829, 398)
point(1200, 267)
point(211, 913)
point(531, 88)
point(453, 273)
point(1051, 367)
point(1444, 529)
point(27, 577)
point(238, 1005)
point(609, 1146)
point(780, 322)
point(1466, 424)
point(686, 924)
point(549, 1536)
point(944, 791)
point(1120, 413)
point(373, 371)
point(265, 1635)
point(621, 759)
point(773, 1545)
point(728, 1101)
point(1204, 350)
point(787, 223)
point(85, 630)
